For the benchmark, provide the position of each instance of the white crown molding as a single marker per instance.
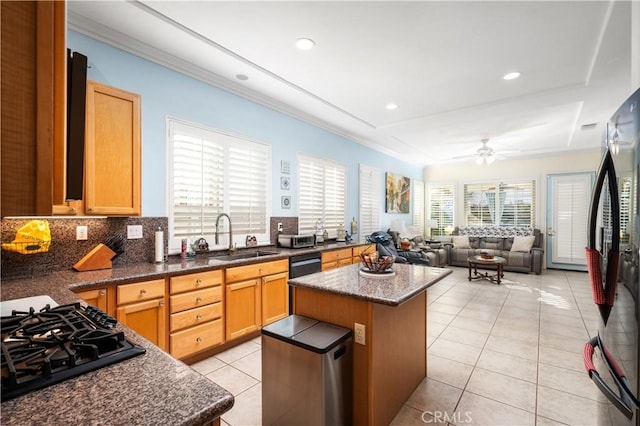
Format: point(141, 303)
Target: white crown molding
point(102, 33)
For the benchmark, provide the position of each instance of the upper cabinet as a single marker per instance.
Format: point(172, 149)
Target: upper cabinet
point(112, 152)
point(33, 81)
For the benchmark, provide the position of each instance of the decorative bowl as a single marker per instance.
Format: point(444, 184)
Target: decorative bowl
point(375, 263)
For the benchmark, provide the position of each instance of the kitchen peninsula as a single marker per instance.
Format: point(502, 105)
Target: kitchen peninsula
point(393, 309)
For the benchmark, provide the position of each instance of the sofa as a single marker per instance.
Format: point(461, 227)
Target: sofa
point(522, 247)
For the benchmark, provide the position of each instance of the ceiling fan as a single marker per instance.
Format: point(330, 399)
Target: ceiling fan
point(484, 155)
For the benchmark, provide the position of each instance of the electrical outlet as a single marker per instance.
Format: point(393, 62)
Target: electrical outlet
point(81, 232)
point(280, 227)
point(359, 332)
point(134, 232)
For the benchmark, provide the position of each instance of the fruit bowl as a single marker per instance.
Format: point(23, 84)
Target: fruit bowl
point(375, 263)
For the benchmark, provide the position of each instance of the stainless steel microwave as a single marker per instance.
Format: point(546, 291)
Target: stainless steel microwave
point(296, 241)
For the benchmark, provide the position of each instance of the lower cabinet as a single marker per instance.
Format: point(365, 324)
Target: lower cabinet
point(336, 258)
point(255, 295)
point(142, 308)
point(98, 297)
point(196, 320)
point(360, 250)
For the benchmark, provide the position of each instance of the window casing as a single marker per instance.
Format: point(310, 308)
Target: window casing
point(212, 173)
point(500, 203)
point(371, 197)
point(322, 191)
point(441, 207)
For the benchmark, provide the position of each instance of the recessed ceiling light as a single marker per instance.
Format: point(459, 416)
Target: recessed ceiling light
point(511, 75)
point(305, 43)
point(391, 106)
point(242, 77)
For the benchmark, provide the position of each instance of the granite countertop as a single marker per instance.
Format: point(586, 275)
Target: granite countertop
point(153, 388)
point(391, 290)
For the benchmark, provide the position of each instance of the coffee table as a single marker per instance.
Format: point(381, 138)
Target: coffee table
point(477, 260)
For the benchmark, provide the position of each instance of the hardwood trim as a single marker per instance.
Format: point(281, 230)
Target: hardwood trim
point(59, 109)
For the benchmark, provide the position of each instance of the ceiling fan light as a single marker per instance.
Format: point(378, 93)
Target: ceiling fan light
point(491, 159)
point(479, 160)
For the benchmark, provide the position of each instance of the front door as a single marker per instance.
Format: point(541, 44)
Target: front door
point(568, 198)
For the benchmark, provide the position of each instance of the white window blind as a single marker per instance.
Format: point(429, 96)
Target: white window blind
point(371, 197)
point(500, 203)
point(321, 194)
point(418, 206)
point(441, 208)
point(211, 173)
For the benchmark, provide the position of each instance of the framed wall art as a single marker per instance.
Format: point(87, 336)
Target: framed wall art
point(398, 193)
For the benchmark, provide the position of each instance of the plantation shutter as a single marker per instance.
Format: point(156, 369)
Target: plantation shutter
point(321, 194)
point(248, 165)
point(371, 196)
point(418, 206)
point(441, 208)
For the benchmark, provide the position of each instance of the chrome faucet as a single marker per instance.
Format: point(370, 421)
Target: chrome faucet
point(231, 248)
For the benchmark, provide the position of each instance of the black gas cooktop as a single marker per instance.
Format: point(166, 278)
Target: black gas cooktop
point(41, 348)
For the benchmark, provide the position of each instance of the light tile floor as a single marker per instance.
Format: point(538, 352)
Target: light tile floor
point(497, 355)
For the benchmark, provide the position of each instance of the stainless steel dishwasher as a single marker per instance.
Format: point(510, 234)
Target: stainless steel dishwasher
point(300, 265)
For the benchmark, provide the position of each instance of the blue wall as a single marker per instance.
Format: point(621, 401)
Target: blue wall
point(168, 93)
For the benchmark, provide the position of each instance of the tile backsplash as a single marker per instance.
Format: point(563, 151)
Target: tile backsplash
point(65, 250)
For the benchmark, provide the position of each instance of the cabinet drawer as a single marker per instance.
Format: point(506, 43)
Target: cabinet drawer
point(196, 339)
point(137, 292)
point(195, 316)
point(334, 255)
point(195, 281)
point(344, 262)
point(363, 249)
point(255, 270)
point(195, 299)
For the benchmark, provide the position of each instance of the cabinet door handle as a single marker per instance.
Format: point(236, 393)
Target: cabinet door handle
point(198, 317)
point(143, 292)
point(198, 339)
point(102, 292)
point(161, 304)
point(198, 299)
point(198, 282)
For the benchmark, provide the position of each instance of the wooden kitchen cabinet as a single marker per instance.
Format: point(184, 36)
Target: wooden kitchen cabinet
point(255, 295)
point(362, 249)
point(101, 298)
point(196, 313)
point(142, 308)
point(336, 258)
point(112, 152)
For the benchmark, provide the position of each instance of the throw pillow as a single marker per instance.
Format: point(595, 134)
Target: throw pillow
point(523, 243)
point(461, 241)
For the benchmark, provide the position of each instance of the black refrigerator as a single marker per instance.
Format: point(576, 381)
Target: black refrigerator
point(612, 355)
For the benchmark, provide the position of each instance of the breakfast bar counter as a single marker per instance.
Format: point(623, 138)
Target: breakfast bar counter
point(393, 309)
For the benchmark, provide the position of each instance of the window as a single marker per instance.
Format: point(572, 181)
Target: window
point(418, 206)
point(441, 207)
point(211, 173)
point(371, 197)
point(321, 194)
point(503, 203)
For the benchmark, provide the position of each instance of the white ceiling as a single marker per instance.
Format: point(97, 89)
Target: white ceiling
point(441, 62)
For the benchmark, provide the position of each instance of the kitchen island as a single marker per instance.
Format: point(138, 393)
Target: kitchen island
point(393, 309)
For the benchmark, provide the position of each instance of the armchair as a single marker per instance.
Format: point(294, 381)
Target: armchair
point(387, 248)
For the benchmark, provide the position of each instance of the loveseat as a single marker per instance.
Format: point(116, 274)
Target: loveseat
point(522, 247)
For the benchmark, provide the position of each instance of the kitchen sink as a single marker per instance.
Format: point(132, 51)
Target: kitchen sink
point(251, 255)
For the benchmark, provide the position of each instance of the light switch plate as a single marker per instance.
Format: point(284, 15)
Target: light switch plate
point(81, 232)
point(134, 232)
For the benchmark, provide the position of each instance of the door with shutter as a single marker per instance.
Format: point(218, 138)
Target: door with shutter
point(568, 198)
